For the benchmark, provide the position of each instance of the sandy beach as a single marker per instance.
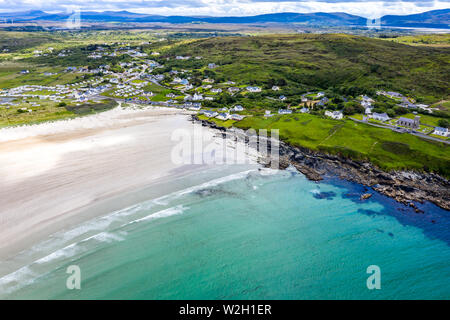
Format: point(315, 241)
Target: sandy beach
point(52, 172)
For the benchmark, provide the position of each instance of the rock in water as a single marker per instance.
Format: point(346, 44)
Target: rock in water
point(366, 196)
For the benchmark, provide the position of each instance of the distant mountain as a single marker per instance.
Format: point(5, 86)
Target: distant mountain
point(23, 15)
point(430, 19)
point(319, 18)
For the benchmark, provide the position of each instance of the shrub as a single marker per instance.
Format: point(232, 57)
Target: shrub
point(444, 123)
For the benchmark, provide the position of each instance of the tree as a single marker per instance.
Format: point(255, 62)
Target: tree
point(196, 82)
point(352, 107)
point(391, 113)
point(444, 123)
point(400, 110)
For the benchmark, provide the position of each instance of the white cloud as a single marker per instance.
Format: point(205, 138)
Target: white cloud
point(232, 7)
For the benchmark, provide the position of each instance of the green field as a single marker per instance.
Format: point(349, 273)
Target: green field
point(225, 124)
point(384, 148)
point(435, 40)
point(49, 111)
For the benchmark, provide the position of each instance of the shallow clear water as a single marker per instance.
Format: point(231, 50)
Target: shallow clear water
point(254, 235)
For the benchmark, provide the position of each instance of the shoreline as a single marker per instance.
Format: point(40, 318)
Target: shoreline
point(50, 184)
point(57, 232)
point(56, 176)
point(405, 187)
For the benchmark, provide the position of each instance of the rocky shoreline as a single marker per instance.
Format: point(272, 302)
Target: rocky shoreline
point(406, 187)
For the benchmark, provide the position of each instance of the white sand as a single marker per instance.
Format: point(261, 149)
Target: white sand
point(49, 172)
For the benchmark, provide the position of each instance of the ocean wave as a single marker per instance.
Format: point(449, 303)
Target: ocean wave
point(105, 222)
point(16, 280)
point(209, 184)
point(26, 275)
point(161, 214)
point(65, 252)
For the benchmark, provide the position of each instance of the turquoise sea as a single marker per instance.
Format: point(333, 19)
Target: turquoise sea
point(258, 234)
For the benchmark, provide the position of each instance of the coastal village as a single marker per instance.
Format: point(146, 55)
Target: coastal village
point(218, 150)
point(144, 79)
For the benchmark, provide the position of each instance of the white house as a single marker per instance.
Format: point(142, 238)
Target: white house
point(233, 89)
point(366, 101)
point(238, 108)
point(443, 132)
point(304, 110)
point(195, 107)
point(284, 111)
point(210, 114)
point(336, 115)
point(237, 117)
point(197, 97)
point(223, 116)
point(253, 89)
point(380, 116)
point(366, 104)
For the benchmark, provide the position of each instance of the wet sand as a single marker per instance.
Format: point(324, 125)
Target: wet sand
point(51, 173)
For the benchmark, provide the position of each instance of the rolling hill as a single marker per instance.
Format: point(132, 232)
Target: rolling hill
point(430, 19)
point(350, 64)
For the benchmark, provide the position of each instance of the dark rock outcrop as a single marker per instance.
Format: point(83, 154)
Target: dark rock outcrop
point(405, 187)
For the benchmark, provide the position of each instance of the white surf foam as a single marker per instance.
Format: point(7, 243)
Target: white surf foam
point(161, 214)
point(25, 275)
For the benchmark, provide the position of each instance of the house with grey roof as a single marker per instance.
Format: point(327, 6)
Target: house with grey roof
point(380, 116)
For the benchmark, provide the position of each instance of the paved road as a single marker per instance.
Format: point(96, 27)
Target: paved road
point(393, 128)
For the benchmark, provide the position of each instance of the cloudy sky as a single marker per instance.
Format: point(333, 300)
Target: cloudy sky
point(231, 7)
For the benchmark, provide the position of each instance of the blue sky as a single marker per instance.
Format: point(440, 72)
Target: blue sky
point(231, 7)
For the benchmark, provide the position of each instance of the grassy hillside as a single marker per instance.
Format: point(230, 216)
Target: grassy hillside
point(16, 41)
point(386, 149)
point(434, 40)
point(348, 63)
